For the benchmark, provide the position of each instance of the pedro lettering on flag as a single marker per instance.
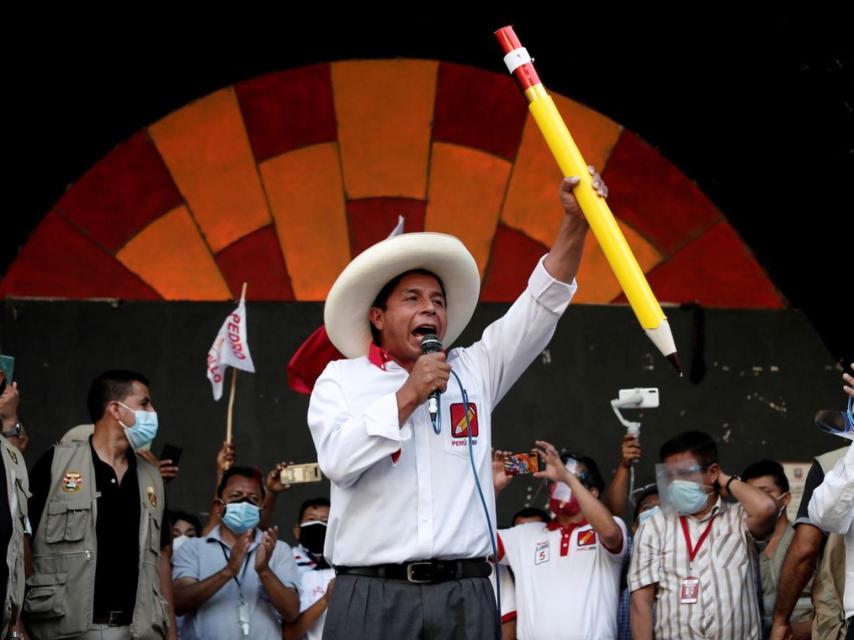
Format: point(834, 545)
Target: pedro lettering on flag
point(229, 349)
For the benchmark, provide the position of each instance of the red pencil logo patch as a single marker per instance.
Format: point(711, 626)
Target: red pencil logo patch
point(587, 538)
point(459, 424)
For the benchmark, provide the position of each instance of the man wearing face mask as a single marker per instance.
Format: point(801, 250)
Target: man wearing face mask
point(318, 578)
point(646, 506)
point(695, 559)
point(98, 529)
point(310, 532)
point(236, 582)
point(567, 571)
point(769, 476)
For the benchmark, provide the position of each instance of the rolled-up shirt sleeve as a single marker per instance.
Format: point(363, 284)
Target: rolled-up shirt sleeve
point(349, 441)
point(185, 561)
point(645, 565)
point(510, 344)
point(832, 504)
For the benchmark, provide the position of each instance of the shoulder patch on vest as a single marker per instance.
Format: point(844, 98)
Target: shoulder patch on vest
point(72, 481)
point(152, 496)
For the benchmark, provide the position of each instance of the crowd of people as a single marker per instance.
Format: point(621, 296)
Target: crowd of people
point(403, 546)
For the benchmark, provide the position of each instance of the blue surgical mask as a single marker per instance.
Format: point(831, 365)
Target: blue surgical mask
point(240, 517)
point(687, 497)
point(643, 516)
point(142, 433)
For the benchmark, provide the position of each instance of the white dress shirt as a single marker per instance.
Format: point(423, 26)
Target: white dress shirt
point(832, 509)
point(402, 493)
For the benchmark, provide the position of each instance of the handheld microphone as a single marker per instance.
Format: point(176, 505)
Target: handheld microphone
point(430, 343)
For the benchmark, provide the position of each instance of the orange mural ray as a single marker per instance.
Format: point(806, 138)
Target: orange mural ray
point(171, 256)
point(597, 283)
point(532, 205)
point(306, 196)
point(207, 150)
point(384, 111)
point(466, 190)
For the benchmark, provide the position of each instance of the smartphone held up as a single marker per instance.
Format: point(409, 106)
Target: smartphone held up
point(516, 464)
point(299, 473)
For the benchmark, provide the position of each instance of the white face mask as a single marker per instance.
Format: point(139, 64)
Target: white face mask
point(643, 516)
point(779, 500)
point(144, 429)
point(178, 542)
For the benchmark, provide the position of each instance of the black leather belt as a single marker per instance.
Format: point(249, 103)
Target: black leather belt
point(113, 618)
point(423, 571)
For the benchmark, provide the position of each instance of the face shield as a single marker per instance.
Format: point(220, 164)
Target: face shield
point(681, 487)
point(839, 423)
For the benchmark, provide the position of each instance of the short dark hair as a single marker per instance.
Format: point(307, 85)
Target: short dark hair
point(650, 490)
point(768, 468)
point(320, 501)
point(186, 516)
point(699, 444)
point(593, 476)
point(381, 300)
point(247, 472)
point(111, 386)
point(531, 512)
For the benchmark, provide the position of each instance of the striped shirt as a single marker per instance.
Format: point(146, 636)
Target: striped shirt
point(726, 565)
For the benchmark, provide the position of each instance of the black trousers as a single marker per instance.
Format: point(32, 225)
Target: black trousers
point(365, 608)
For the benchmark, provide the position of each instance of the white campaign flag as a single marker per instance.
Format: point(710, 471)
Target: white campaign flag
point(398, 228)
point(229, 349)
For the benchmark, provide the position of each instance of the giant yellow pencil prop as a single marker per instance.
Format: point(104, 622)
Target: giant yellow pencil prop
point(596, 210)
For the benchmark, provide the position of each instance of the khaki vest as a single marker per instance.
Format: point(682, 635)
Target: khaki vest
point(829, 585)
point(17, 489)
point(60, 595)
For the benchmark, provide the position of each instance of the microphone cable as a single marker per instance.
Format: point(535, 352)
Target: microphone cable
point(492, 542)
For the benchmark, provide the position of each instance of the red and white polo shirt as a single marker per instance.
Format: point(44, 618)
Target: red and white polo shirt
point(567, 582)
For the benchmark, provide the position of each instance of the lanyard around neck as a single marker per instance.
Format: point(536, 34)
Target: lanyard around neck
point(692, 551)
point(245, 566)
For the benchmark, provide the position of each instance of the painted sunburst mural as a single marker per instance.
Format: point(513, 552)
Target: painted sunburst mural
point(280, 180)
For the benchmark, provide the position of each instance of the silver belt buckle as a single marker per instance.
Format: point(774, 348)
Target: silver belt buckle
point(410, 574)
point(114, 618)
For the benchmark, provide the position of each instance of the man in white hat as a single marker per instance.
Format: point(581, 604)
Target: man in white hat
point(407, 532)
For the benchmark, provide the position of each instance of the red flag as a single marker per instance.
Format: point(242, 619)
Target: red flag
point(310, 360)
point(317, 351)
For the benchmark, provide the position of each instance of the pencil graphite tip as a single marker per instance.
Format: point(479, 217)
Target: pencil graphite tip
point(674, 360)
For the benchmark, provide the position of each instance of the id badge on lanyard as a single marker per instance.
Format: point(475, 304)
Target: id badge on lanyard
point(689, 590)
point(243, 606)
point(243, 616)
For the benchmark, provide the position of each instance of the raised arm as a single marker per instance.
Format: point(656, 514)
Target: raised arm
point(832, 504)
point(760, 508)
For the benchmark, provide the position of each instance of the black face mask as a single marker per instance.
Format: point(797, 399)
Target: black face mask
point(312, 535)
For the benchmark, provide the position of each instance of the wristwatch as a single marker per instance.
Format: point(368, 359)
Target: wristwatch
point(15, 634)
point(729, 482)
point(14, 432)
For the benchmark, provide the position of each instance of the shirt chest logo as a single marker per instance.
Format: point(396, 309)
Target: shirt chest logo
point(541, 552)
point(460, 423)
point(72, 481)
point(586, 539)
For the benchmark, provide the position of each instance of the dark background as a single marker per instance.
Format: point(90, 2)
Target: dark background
point(766, 375)
point(754, 107)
